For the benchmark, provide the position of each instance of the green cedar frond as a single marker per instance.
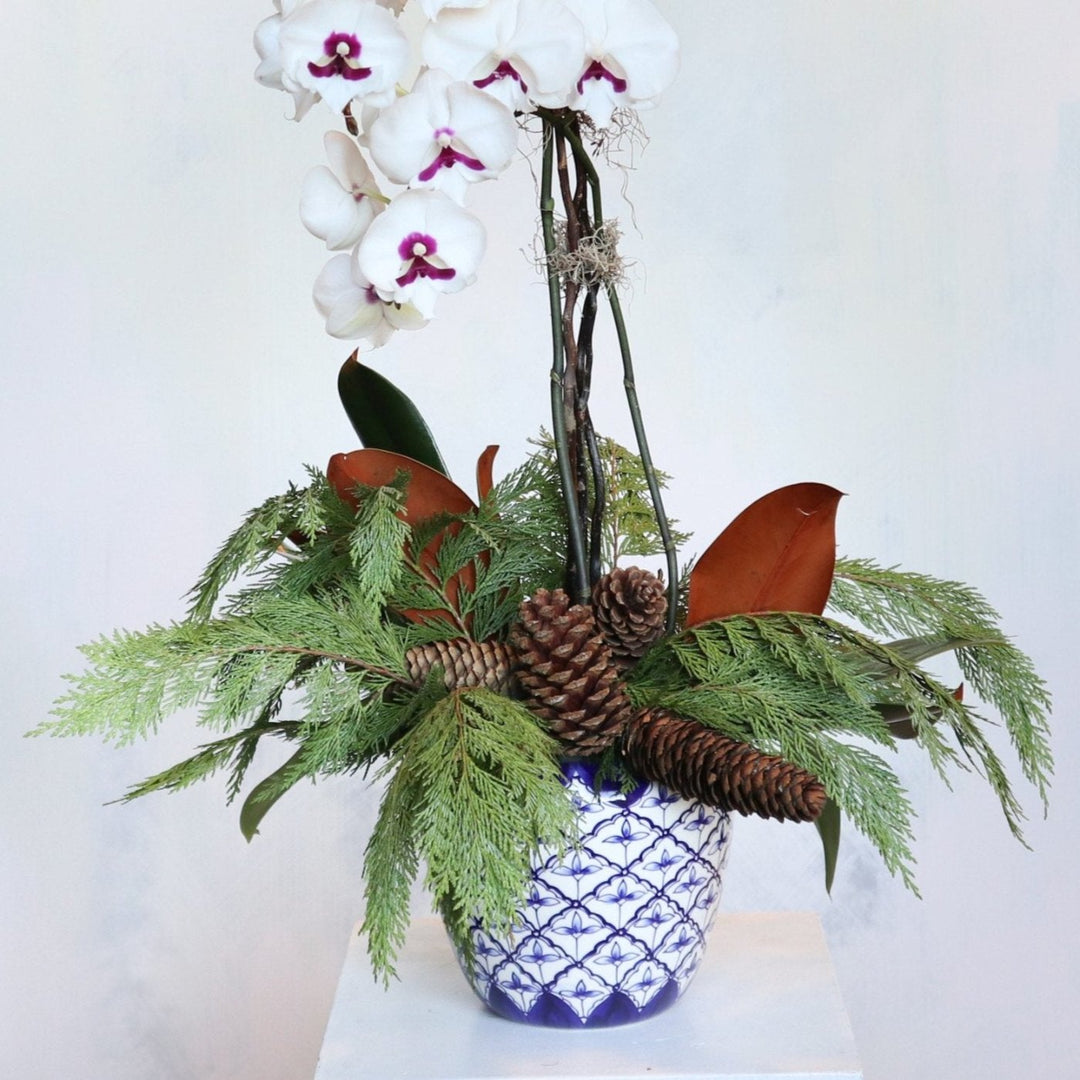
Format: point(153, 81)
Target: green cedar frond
point(476, 791)
point(888, 600)
point(229, 752)
point(629, 519)
point(391, 863)
point(798, 684)
point(299, 510)
point(630, 522)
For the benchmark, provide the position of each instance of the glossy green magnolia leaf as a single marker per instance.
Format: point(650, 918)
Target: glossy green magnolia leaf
point(898, 716)
point(383, 417)
point(264, 794)
point(828, 827)
point(917, 649)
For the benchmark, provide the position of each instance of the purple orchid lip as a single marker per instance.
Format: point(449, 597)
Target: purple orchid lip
point(447, 158)
point(415, 249)
point(505, 70)
point(342, 53)
point(596, 70)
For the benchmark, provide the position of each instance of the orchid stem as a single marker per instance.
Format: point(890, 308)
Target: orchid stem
point(577, 568)
point(584, 161)
point(651, 478)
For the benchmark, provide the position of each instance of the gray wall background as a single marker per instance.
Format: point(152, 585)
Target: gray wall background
point(856, 229)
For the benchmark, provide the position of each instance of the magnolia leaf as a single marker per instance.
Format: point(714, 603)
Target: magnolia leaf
point(915, 650)
point(777, 555)
point(429, 493)
point(265, 793)
point(484, 478)
point(828, 827)
point(898, 717)
point(383, 417)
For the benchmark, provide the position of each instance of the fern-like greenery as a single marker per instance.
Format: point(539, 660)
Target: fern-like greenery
point(473, 786)
point(942, 615)
point(326, 601)
point(629, 519)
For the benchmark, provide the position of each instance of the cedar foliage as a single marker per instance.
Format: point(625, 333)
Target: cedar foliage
point(309, 648)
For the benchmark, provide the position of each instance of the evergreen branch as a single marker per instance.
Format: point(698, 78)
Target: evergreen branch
point(211, 758)
point(485, 794)
point(299, 510)
point(888, 600)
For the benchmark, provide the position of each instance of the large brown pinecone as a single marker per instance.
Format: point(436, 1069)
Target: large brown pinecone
point(630, 606)
point(699, 763)
point(464, 663)
point(566, 671)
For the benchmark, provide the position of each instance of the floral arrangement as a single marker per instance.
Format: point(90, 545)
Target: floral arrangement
point(384, 622)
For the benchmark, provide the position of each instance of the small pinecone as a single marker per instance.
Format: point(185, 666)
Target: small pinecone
point(698, 763)
point(630, 606)
point(566, 671)
point(464, 663)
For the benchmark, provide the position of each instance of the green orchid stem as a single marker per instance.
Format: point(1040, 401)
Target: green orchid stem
point(646, 458)
point(577, 569)
point(581, 155)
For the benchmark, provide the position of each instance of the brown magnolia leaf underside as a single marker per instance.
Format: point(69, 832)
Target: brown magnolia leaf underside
point(777, 555)
point(429, 493)
point(484, 475)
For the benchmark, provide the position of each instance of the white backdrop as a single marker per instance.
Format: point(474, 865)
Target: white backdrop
point(857, 234)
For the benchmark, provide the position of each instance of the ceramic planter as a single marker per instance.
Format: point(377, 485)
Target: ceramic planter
point(613, 932)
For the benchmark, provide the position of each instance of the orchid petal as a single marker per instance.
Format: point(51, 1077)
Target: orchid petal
point(523, 52)
point(352, 308)
point(343, 50)
point(433, 7)
point(443, 131)
point(422, 245)
point(632, 56)
point(337, 204)
point(268, 71)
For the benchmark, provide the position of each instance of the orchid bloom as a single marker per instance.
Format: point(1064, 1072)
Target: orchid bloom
point(338, 203)
point(632, 55)
point(267, 46)
point(354, 310)
point(343, 50)
point(422, 245)
point(433, 7)
point(523, 52)
point(443, 134)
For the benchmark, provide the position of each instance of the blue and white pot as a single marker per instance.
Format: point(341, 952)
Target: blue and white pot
point(613, 932)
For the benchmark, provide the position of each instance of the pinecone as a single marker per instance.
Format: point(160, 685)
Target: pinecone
point(464, 663)
point(698, 763)
point(566, 671)
point(629, 606)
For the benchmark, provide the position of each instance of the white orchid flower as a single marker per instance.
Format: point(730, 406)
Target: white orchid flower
point(433, 7)
point(354, 310)
point(632, 55)
point(268, 71)
point(343, 50)
point(338, 203)
point(443, 134)
point(523, 52)
point(422, 245)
